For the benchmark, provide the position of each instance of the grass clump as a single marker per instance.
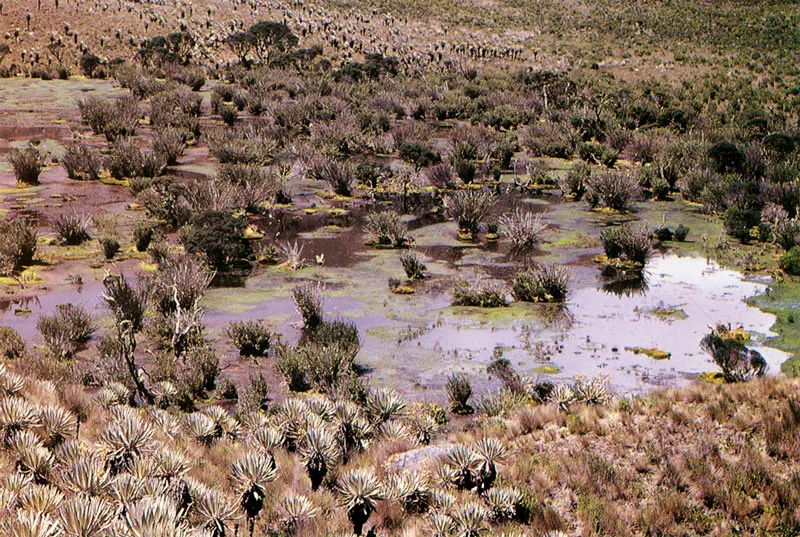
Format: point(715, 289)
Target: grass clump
point(27, 164)
point(624, 243)
point(469, 208)
point(523, 228)
point(612, 190)
point(18, 244)
point(413, 266)
point(251, 337)
point(72, 228)
point(66, 331)
point(543, 283)
point(386, 228)
point(82, 162)
point(478, 294)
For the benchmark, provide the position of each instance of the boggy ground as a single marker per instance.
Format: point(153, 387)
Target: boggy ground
point(411, 342)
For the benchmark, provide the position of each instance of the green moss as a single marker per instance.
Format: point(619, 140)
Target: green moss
point(655, 354)
point(668, 313)
point(783, 301)
point(547, 370)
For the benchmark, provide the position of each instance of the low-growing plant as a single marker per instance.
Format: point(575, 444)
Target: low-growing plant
point(170, 143)
point(310, 304)
point(469, 207)
point(251, 337)
point(72, 228)
point(386, 228)
point(478, 294)
point(413, 265)
point(110, 247)
point(543, 283)
point(292, 252)
point(82, 162)
point(339, 175)
point(27, 164)
point(523, 228)
point(18, 243)
point(66, 331)
point(459, 390)
point(625, 243)
point(613, 190)
point(125, 160)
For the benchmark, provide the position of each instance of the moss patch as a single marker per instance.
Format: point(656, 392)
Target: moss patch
point(783, 301)
point(654, 353)
point(547, 370)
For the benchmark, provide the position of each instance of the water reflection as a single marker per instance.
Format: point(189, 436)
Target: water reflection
point(624, 283)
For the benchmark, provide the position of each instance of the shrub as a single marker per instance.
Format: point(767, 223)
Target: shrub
point(12, 346)
point(413, 265)
point(663, 234)
point(66, 331)
point(291, 365)
point(229, 113)
point(608, 157)
point(143, 233)
point(625, 243)
point(198, 371)
point(459, 390)
point(479, 295)
point(255, 396)
point(441, 176)
point(113, 119)
point(469, 208)
point(251, 337)
point(739, 221)
point(544, 283)
point(465, 170)
point(73, 228)
point(96, 112)
point(339, 175)
point(310, 304)
point(219, 236)
point(726, 157)
point(660, 188)
point(81, 162)
point(420, 155)
point(574, 182)
point(523, 228)
point(386, 228)
point(110, 247)
point(790, 261)
point(170, 144)
point(125, 160)
point(613, 190)
point(18, 242)
point(241, 145)
point(680, 233)
point(27, 164)
point(153, 164)
point(727, 348)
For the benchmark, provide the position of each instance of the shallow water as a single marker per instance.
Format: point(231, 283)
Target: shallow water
point(413, 343)
point(599, 329)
